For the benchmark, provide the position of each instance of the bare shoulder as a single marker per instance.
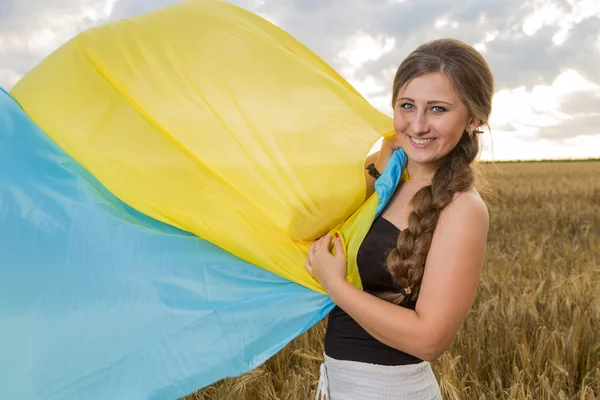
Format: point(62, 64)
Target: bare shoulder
point(467, 206)
point(472, 201)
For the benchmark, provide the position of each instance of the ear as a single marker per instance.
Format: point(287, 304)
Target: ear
point(474, 123)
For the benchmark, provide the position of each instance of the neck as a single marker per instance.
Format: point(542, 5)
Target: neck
point(420, 172)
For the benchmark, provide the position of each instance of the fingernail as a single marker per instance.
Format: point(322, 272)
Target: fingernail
point(337, 236)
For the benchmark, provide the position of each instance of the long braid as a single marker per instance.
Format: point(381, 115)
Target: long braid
point(406, 262)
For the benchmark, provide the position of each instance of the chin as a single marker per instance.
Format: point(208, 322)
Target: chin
point(424, 160)
point(421, 157)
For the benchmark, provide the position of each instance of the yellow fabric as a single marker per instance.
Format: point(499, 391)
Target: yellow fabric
point(207, 117)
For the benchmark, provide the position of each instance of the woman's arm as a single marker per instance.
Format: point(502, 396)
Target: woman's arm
point(449, 285)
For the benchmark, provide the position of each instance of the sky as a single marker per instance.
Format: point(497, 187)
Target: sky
point(545, 54)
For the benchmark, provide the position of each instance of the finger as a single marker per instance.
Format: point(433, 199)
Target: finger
point(308, 266)
point(339, 248)
point(325, 241)
point(317, 242)
point(331, 241)
point(317, 245)
point(311, 254)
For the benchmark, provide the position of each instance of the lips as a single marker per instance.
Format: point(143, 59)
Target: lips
point(421, 142)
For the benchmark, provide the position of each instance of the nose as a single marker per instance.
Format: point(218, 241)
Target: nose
point(419, 124)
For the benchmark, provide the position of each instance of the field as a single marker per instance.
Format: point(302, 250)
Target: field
point(534, 330)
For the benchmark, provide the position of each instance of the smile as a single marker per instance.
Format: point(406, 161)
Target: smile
point(421, 142)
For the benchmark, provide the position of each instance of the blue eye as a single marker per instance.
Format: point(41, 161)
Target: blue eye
point(434, 109)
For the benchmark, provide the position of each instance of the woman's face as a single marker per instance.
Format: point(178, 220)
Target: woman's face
point(429, 118)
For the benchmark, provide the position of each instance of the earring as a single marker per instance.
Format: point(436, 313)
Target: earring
point(474, 131)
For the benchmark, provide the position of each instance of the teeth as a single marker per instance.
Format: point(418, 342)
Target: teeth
point(421, 141)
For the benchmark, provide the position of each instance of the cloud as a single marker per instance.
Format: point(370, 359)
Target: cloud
point(128, 8)
point(564, 15)
point(32, 29)
point(582, 116)
point(9, 76)
point(36, 26)
point(569, 107)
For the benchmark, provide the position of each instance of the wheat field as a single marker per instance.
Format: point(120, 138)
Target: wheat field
point(534, 329)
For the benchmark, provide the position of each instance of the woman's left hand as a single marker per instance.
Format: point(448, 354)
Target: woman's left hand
point(324, 266)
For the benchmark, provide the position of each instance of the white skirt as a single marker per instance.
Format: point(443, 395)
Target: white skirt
point(352, 380)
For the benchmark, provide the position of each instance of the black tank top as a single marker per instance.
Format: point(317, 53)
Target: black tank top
point(345, 339)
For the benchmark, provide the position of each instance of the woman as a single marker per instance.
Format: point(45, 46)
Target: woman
point(421, 261)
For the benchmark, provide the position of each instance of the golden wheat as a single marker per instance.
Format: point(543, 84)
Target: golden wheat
point(534, 329)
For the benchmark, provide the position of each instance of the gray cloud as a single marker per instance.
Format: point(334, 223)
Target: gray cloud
point(128, 8)
point(508, 127)
point(516, 59)
point(581, 52)
point(535, 59)
point(583, 108)
point(585, 125)
point(580, 103)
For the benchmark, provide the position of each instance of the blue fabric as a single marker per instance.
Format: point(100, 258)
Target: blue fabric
point(387, 183)
point(98, 301)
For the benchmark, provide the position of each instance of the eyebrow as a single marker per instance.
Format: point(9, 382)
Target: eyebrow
point(429, 102)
